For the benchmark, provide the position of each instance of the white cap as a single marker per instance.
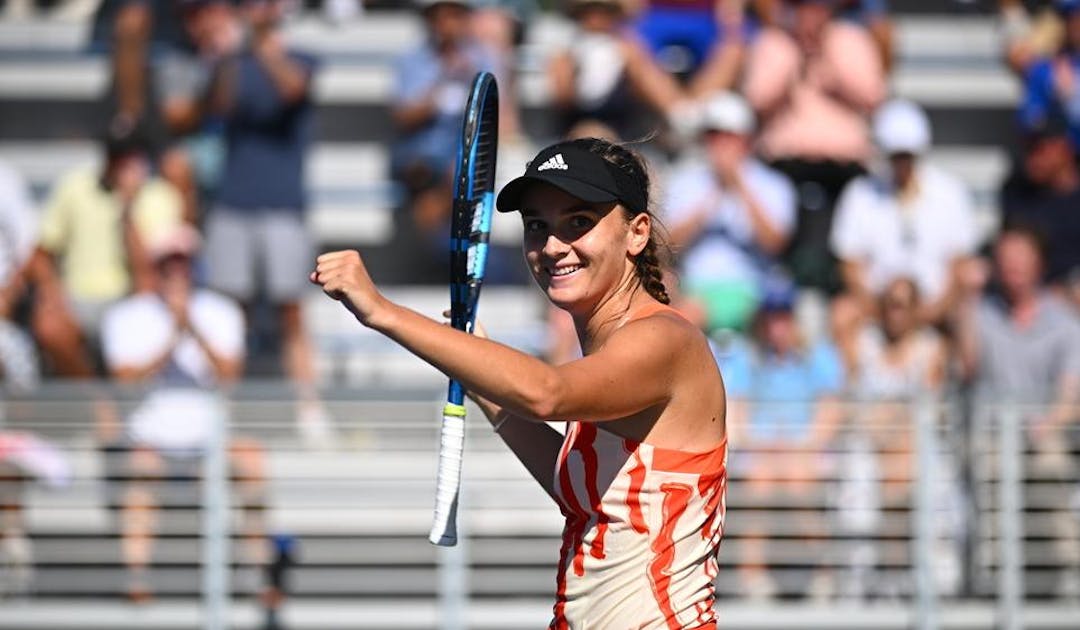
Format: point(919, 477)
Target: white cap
point(901, 126)
point(727, 111)
point(181, 239)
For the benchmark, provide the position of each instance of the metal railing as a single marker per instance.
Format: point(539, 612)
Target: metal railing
point(945, 507)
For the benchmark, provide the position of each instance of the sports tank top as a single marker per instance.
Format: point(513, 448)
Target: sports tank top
point(643, 526)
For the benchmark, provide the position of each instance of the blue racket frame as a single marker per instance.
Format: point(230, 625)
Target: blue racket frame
point(469, 243)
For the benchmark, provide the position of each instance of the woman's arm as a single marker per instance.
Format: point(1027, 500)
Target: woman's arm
point(535, 444)
point(632, 372)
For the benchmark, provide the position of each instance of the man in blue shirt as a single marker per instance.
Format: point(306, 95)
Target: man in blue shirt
point(256, 230)
point(1055, 82)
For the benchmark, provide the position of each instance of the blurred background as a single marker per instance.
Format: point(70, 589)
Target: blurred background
point(873, 208)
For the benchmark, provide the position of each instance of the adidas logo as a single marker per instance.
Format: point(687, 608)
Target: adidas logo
point(556, 162)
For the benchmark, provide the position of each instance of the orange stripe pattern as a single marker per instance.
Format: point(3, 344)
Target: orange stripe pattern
point(642, 531)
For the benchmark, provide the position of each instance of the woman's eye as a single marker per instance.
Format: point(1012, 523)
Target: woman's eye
point(534, 226)
point(581, 222)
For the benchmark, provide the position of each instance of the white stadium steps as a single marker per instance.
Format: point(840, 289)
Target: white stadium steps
point(357, 60)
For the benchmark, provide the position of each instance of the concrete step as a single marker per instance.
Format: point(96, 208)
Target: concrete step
point(502, 614)
point(84, 79)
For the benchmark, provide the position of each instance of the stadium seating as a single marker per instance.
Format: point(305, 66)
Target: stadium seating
point(361, 512)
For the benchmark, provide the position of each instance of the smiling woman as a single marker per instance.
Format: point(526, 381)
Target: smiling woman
point(640, 474)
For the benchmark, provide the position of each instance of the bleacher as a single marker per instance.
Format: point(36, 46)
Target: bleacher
point(361, 511)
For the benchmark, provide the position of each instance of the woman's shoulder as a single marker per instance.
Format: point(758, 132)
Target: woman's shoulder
point(660, 323)
point(667, 330)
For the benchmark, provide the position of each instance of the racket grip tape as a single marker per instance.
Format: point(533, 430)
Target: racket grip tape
point(448, 480)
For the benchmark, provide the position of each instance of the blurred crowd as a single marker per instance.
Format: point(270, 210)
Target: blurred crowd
point(813, 236)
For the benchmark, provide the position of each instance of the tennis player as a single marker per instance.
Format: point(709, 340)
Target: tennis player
point(640, 474)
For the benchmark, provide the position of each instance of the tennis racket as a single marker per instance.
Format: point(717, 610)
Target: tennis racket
point(470, 226)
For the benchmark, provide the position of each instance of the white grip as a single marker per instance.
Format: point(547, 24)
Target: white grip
point(448, 482)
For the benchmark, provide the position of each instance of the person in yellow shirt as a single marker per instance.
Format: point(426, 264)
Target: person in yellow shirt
point(90, 250)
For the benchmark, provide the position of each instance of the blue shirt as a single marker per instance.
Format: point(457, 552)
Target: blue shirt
point(781, 390)
point(418, 73)
point(1040, 96)
point(265, 140)
point(864, 11)
point(725, 250)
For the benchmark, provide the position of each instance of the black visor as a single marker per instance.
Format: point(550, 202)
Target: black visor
point(576, 172)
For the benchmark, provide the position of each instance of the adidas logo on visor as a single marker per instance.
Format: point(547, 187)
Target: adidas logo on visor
point(556, 162)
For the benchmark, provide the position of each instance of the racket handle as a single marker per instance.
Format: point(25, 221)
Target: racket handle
point(448, 481)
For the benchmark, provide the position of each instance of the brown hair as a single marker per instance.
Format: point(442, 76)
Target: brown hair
point(652, 260)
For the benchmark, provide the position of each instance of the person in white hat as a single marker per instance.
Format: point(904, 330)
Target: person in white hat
point(909, 219)
point(184, 344)
point(730, 215)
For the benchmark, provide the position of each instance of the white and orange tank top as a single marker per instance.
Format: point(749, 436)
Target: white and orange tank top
point(643, 526)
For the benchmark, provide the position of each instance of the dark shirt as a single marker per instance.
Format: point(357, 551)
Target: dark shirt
point(1056, 217)
point(265, 140)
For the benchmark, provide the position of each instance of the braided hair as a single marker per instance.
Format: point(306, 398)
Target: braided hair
point(652, 260)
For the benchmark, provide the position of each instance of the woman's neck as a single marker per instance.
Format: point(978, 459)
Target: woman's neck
point(611, 313)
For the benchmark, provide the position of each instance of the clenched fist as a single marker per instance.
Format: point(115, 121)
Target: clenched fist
point(343, 277)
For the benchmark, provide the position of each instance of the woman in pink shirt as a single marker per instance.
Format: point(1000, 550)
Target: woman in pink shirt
point(813, 85)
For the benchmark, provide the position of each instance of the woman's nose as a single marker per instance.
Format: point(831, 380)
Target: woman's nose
point(554, 246)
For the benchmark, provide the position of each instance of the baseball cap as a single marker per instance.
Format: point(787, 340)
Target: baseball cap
point(578, 172)
point(779, 295)
point(901, 126)
point(727, 111)
point(180, 240)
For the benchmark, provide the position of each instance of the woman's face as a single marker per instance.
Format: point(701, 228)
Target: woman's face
point(578, 252)
point(778, 332)
point(898, 307)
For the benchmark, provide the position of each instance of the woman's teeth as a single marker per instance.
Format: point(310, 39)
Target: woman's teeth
point(564, 271)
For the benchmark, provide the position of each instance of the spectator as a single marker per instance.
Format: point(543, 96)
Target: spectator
point(500, 26)
point(256, 236)
point(132, 99)
point(18, 237)
point(1053, 83)
point(604, 75)
point(183, 344)
point(92, 230)
point(23, 457)
point(1033, 29)
point(873, 15)
point(897, 359)
point(182, 78)
point(812, 85)
point(784, 413)
point(1021, 344)
point(429, 101)
point(911, 220)
point(731, 217)
point(1045, 196)
point(892, 364)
